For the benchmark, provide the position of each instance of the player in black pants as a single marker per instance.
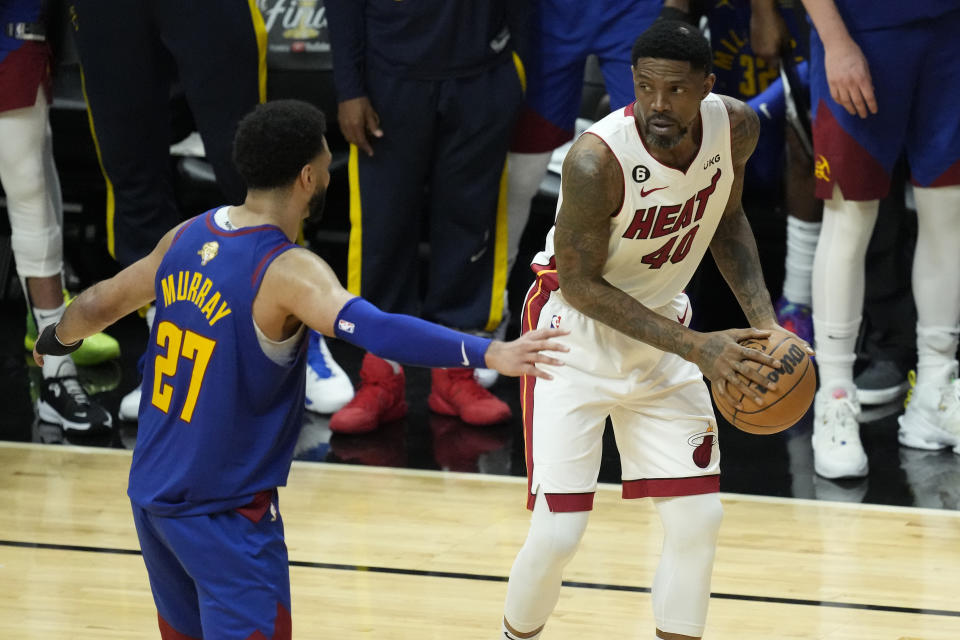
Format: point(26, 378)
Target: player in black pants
point(428, 94)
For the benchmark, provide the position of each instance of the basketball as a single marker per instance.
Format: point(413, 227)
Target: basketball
point(783, 407)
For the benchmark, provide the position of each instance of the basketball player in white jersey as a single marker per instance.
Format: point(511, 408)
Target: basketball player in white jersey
point(645, 192)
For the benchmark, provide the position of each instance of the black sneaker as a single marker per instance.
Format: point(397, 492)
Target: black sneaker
point(63, 401)
point(881, 382)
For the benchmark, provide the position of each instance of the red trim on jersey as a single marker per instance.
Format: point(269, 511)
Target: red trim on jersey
point(636, 126)
point(255, 278)
point(568, 502)
point(169, 633)
point(546, 282)
point(623, 180)
point(282, 627)
point(256, 508)
point(535, 134)
point(670, 487)
point(949, 178)
point(180, 231)
point(839, 159)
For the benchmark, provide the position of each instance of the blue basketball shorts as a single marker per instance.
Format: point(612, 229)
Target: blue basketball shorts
point(916, 78)
point(562, 34)
point(220, 576)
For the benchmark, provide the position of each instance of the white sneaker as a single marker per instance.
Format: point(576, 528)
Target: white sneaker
point(837, 450)
point(328, 386)
point(130, 406)
point(932, 418)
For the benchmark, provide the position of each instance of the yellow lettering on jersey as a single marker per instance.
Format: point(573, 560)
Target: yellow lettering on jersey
point(224, 311)
point(183, 282)
point(194, 285)
point(723, 60)
point(202, 295)
point(211, 305)
point(169, 290)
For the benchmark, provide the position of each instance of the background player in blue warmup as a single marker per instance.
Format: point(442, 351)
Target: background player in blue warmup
point(223, 394)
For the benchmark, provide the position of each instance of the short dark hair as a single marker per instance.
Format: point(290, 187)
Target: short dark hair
point(274, 142)
point(674, 40)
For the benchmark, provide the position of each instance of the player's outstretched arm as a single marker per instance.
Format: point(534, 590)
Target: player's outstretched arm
point(301, 285)
point(104, 303)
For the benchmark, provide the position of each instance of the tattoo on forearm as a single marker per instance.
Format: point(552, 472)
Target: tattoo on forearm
point(735, 252)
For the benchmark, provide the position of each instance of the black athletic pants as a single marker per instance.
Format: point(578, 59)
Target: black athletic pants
point(442, 155)
point(218, 48)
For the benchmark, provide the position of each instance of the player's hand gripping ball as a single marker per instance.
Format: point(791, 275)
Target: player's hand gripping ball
point(796, 385)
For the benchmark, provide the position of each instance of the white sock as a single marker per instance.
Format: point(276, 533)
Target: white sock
point(936, 282)
point(802, 240)
point(936, 354)
point(838, 286)
point(53, 366)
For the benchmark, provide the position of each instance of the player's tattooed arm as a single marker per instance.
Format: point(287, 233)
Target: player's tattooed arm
point(593, 188)
point(733, 246)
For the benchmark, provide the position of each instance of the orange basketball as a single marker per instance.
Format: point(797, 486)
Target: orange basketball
point(782, 408)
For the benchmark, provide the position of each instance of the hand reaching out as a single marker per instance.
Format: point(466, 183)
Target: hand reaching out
point(520, 357)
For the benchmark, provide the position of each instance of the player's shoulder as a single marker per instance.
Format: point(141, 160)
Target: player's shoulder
point(744, 127)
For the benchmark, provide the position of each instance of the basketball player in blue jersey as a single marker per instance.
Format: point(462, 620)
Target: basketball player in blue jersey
point(884, 78)
point(644, 193)
point(223, 397)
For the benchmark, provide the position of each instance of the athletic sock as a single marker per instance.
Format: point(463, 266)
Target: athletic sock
point(53, 366)
point(802, 240)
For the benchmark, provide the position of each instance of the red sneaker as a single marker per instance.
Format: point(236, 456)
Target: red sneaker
point(455, 392)
point(379, 399)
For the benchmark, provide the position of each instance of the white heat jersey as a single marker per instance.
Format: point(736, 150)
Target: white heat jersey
point(669, 216)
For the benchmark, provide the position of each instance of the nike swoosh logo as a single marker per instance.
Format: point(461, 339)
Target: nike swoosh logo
point(684, 317)
point(478, 255)
point(765, 110)
point(644, 193)
point(463, 350)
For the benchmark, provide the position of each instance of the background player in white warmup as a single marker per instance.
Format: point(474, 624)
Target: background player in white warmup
point(644, 193)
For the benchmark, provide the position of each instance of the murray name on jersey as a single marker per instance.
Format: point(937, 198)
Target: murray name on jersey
point(195, 288)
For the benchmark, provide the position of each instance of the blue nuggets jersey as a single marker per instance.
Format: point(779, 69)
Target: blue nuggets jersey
point(740, 73)
point(862, 15)
point(218, 418)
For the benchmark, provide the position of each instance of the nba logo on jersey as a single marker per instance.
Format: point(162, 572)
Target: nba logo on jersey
point(555, 322)
point(346, 326)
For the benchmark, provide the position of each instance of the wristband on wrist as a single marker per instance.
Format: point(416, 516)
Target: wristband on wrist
point(49, 344)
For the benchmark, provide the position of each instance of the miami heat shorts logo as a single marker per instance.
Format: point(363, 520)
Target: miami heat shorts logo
point(822, 169)
point(555, 322)
point(702, 444)
point(208, 252)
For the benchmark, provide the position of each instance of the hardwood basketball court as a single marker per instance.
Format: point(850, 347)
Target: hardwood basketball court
point(401, 554)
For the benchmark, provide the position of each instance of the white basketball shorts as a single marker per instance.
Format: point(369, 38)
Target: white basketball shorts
point(658, 403)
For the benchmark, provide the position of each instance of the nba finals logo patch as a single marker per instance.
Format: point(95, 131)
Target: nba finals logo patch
point(555, 322)
point(208, 252)
point(702, 444)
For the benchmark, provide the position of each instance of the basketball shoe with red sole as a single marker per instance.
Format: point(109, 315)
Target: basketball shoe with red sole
point(379, 399)
point(455, 392)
